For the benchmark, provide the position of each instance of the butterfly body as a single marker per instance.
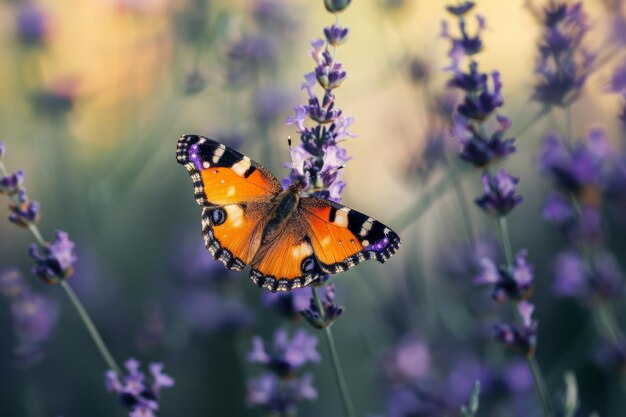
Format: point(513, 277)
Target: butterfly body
point(289, 241)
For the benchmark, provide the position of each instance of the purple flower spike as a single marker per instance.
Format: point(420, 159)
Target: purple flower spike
point(331, 311)
point(286, 356)
point(512, 283)
point(520, 339)
point(11, 184)
point(280, 397)
point(336, 35)
point(409, 360)
point(482, 151)
point(499, 198)
point(57, 261)
point(141, 397)
point(563, 64)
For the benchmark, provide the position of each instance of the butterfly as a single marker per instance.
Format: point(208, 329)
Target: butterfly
point(289, 241)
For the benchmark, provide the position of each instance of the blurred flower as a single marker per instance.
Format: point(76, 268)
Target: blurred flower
point(273, 17)
point(285, 356)
point(248, 55)
point(141, 398)
point(460, 260)
point(602, 280)
point(331, 312)
point(461, 379)
point(415, 400)
point(32, 24)
point(206, 311)
point(465, 44)
point(461, 9)
point(563, 64)
point(198, 265)
point(579, 170)
point(269, 104)
point(336, 35)
point(479, 150)
point(195, 83)
point(499, 198)
point(280, 397)
point(521, 339)
point(12, 184)
point(509, 283)
point(56, 262)
point(57, 99)
point(288, 304)
point(611, 355)
point(34, 318)
point(408, 361)
point(418, 70)
point(559, 210)
point(617, 83)
point(517, 378)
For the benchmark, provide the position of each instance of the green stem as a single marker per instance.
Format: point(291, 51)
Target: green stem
point(541, 385)
point(341, 381)
point(462, 201)
point(503, 234)
point(607, 322)
point(91, 328)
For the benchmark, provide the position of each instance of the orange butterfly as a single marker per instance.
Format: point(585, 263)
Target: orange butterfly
point(289, 241)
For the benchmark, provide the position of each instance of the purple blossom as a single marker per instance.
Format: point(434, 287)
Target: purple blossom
point(523, 338)
point(139, 395)
point(563, 64)
point(34, 318)
point(408, 361)
point(12, 184)
point(601, 280)
point(499, 196)
point(335, 34)
point(316, 159)
point(461, 9)
point(280, 396)
point(509, 283)
point(56, 262)
point(288, 304)
point(285, 356)
point(465, 44)
point(331, 312)
point(580, 170)
point(479, 150)
point(32, 24)
point(559, 210)
point(3, 150)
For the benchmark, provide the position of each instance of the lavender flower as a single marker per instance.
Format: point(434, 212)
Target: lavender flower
point(602, 280)
point(12, 184)
point(563, 64)
point(509, 283)
point(521, 339)
point(56, 263)
point(408, 361)
point(141, 398)
point(320, 319)
point(34, 318)
point(280, 396)
point(499, 198)
point(32, 24)
point(579, 170)
point(480, 150)
point(286, 356)
point(318, 151)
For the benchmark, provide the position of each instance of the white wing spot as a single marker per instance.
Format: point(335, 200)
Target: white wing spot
point(206, 164)
point(234, 214)
point(218, 153)
point(241, 167)
point(341, 218)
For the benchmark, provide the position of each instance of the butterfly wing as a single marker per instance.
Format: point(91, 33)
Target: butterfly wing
point(235, 193)
point(322, 237)
point(343, 237)
point(221, 175)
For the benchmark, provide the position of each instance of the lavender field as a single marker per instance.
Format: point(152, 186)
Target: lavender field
point(490, 136)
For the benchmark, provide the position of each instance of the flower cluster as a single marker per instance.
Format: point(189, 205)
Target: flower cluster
point(481, 97)
point(513, 281)
point(57, 260)
point(523, 338)
point(280, 388)
point(140, 397)
point(34, 317)
point(563, 64)
point(317, 158)
point(331, 311)
point(582, 174)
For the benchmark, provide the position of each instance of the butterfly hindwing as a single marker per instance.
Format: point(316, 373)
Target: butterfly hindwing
point(235, 193)
point(288, 261)
point(343, 237)
point(322, 237)
point(221, 175)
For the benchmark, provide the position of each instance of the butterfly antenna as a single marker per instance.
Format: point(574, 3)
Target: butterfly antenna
point(290, 152)
point(321, 173)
